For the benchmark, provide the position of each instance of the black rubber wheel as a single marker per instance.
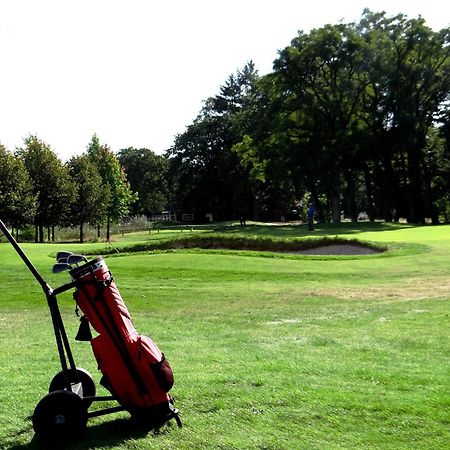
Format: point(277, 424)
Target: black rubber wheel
point(87, 383)
point(59, 415)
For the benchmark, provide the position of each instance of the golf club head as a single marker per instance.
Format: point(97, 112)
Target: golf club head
point(61, 255)
point(62, 260)
point(60, 267)
point(76, 259)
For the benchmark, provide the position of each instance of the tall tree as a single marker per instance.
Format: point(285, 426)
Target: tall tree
point(147, 175)
point(351, 114)
point(51, 183)
point(203, 166)
point(319, 80)
point(409, 73)
point(347, 118)
point(89, 201)
point(115, 185)
point(17, 203)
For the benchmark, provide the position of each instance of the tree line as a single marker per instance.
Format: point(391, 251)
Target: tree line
point(353, 118)
point(37, 188)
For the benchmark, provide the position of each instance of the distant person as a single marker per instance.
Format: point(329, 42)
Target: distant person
point(242, 220)
point(394, 214)
point(311, 212)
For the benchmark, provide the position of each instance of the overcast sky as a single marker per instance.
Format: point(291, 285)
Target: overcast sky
point(136, 71)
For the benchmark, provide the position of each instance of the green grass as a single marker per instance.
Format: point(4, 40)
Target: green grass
point(269, 353)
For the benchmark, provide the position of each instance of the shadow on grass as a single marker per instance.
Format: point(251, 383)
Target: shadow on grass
point(324, 229)
point(105, 435)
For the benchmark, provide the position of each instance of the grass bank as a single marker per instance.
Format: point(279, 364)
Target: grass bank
point(244, 242)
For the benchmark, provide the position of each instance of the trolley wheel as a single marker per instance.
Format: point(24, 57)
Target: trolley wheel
point(59, 415)
point(87, 383)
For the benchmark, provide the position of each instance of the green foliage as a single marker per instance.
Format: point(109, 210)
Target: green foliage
point(346, 120)
point(115, 188)
point(90, 201)
point(319, 80)
point(204, 170)
point(147, 174)
point(51, 184)
point(17, 203)
point(408, 69)
point(354, 118)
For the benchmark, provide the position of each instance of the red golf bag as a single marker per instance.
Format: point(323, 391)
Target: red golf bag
point(134, 370)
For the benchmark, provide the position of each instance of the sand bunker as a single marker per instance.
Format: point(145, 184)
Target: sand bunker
point(341, 249)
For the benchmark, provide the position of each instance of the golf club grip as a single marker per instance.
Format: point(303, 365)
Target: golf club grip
point(24, 257)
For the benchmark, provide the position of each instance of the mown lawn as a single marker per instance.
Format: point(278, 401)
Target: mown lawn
point(280, 352)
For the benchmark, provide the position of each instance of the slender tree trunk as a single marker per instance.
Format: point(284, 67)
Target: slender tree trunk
point(335, 207)
point(36, 235)
point(335, 200)
point(317, 204)
point(81, 233)
point(107, 227)
point(53, 233)
point(49, 236)
point(369, 195)
point(434, 216)
point(41, 233)
point(98, 231)
point(351, 191)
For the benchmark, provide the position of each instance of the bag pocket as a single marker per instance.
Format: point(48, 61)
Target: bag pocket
point(156, 362)
point(163, 374)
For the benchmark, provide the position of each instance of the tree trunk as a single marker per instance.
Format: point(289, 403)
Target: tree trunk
point(351, 192)
point(415, 203)
point(335, 204)
point(256, 209)
point(317, 204)
point(41, 233)
point(369, 195)
point(107, 227)
point(435, 217)
point(81, 233)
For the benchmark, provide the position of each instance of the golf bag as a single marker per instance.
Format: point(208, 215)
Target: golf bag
point(134, 370)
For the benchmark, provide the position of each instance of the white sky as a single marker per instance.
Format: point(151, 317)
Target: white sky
point(136, 71)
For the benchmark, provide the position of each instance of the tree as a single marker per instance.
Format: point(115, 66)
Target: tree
point(51, 185)
point(147, 175)
point(317, 85)
point(409, 74)
point(351, 116)
point(17, 203)
point(115, 185)
point(89, 201)
point(204, 170)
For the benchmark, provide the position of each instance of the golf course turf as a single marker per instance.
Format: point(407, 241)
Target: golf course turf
point(269, 350)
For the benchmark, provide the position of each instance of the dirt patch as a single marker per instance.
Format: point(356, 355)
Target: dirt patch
point(410, 289)
point(342, 249)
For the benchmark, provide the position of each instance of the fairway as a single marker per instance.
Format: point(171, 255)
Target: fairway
point(269, 351)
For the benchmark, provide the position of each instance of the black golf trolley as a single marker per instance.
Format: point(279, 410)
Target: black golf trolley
point(134, 370)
